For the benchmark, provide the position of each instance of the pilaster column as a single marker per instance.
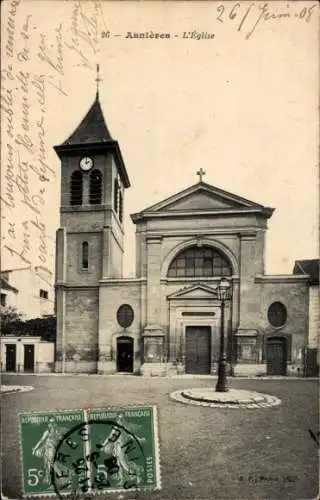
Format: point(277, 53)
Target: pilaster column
point(249, 290)
point(153, 336)
point(105, 252)
point(61, 278)
point(153, 283)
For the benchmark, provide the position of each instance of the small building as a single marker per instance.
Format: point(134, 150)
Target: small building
point(29, 290)
point(26, 354)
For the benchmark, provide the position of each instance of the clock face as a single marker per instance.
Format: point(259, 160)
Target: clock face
point(86, 163)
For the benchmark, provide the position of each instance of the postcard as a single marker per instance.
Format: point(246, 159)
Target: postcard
point(160, 260)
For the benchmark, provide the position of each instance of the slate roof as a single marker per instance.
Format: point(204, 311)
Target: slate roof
point(93, 128)
point(92, 135)
point(310, 267)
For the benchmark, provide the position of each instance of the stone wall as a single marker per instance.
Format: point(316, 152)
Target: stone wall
point(293, 294)
point(314, 316)
point(81, 324)
point(113, 294)
point(75, 273)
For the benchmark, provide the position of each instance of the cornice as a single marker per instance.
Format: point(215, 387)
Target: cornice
point(154, 237)
point(281, 278)
point(84, 208)
point(74, 286)
point(164, 281)
point(248, 236)
point(232, 232)
point(217, 212)
point(121, 281)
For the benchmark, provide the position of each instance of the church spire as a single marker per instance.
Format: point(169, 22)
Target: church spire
point(93, 128)
point(98, 80)
point(92, 136)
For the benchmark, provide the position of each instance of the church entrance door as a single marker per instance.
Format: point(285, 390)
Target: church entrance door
point(198, 349)
point(276, 356)
point(125, 354)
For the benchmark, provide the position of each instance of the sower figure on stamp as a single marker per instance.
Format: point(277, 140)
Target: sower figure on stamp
point(117, 446)
point(131, 427)
point(46, 447)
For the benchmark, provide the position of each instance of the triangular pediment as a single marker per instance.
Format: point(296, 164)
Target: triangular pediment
point(202, 197)
point(195, 291)
point(200, 200)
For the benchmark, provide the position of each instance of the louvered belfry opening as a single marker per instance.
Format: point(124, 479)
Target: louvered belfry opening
point(115, 195)
point(76, 188)
point(120, 206)
point(95, 193)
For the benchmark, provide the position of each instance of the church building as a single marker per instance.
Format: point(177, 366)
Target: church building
point(167, 319)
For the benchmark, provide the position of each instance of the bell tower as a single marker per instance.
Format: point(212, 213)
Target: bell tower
point(89, 242)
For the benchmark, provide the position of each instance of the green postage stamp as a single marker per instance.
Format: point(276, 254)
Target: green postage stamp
point(90, 451)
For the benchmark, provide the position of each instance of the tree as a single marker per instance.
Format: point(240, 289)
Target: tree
point(11, 320)
point(12, 323)
point(42, 327)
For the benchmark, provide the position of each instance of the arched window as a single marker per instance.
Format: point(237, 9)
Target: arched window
point(120, 206)
point(95, 194)
point(277, 314)
point(85, 255)
point(76, 188)
point(115, 195)
point(199, 261)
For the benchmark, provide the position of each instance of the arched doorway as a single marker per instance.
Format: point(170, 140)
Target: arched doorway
point(125, 354)
point(276, 356)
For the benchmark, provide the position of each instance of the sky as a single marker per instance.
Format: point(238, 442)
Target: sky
point(241, 102)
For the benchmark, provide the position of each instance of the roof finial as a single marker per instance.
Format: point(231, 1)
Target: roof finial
point(98, 80)
point(201, 173)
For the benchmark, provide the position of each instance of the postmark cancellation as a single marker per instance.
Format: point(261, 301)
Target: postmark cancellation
point(90, 451)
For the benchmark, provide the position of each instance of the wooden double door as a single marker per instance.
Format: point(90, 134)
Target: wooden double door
point(276, 356)
point(198, 349)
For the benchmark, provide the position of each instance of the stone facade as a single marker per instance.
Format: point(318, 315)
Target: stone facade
point(165, 320)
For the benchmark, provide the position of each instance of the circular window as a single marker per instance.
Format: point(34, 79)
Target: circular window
point(277, 314)
point(125, 315)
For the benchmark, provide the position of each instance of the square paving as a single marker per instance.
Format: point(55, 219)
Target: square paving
point(205, 453)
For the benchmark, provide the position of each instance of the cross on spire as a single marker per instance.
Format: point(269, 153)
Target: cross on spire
point(201, 173)
point(98, 79)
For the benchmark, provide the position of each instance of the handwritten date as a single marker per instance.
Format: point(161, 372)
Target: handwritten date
point(254, 14)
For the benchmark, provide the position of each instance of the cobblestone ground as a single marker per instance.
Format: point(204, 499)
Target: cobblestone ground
point(206, 453)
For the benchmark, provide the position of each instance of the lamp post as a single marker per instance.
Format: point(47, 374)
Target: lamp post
point(224, 294)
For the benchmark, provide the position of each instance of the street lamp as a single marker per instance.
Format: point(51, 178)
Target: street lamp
point(224, 293)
